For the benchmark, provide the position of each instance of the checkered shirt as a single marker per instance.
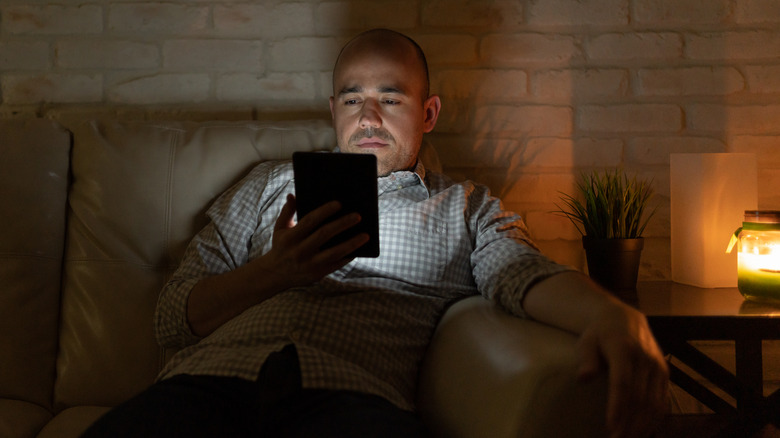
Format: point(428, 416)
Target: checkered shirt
point(366, 326)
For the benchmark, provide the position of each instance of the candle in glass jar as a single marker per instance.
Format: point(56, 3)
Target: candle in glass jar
point(758, 258)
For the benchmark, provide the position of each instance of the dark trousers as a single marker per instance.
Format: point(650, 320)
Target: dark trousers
point(273, 406)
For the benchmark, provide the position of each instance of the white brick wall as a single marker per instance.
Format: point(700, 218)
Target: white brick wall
point(534, 91)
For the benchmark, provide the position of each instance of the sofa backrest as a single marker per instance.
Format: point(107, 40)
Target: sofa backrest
point(34, 160)
point(138, 196)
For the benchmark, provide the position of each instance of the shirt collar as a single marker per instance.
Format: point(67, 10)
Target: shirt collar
point(402, 179)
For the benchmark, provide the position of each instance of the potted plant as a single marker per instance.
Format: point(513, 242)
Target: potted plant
point(609, 211)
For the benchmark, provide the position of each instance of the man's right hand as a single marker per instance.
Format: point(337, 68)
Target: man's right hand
point(296, 248)
point(296, 258)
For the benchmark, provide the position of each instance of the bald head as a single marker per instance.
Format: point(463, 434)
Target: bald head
point(387, 44)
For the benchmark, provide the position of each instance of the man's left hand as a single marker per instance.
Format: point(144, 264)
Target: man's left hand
point(638, 376)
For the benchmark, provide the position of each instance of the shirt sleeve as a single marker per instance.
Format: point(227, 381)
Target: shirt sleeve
point(223, 245)
point(505, 261)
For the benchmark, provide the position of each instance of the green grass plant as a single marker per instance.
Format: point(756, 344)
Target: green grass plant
point(609, 205)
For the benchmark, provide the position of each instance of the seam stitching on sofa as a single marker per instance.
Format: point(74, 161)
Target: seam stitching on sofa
point(173, 145)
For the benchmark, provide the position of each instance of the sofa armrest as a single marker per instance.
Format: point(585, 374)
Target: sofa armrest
point(490, 374)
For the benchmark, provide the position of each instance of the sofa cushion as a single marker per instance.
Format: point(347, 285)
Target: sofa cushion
point(72, 422)
point(138, 196)
point(33, 189)
point(21, 419)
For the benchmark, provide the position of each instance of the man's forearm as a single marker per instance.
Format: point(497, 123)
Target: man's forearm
point(569, 300)
point(215, 300)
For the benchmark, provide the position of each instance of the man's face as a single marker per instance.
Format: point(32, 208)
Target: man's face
point(379, 108)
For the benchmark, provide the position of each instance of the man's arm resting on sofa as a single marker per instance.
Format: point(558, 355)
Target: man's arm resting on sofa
point(488, 373)
point(612, 335)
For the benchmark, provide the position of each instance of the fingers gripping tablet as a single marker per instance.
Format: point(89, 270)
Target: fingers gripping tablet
point(322, 177)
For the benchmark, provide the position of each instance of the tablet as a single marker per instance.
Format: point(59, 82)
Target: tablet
point(321, 177)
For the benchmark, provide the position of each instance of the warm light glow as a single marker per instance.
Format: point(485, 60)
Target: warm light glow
point(757, 259)
point(759, 265)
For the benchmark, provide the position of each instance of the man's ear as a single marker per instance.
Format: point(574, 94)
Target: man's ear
point(431, 108)
point(332, 114)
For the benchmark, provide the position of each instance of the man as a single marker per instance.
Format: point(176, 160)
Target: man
point(282, 338)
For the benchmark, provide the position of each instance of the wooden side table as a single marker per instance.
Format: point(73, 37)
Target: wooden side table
point(679, 313)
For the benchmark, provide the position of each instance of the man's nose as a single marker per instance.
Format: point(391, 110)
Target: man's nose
point(369, 116)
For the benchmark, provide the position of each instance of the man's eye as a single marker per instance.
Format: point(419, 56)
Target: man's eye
point(391, 102)
point(350, 102)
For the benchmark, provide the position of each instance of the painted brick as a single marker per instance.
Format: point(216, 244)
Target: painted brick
point(213, 55)
point(206, 112)
point(578, 12)
point(757, 11)
point(580, 84)
point(630, 118)
point(518, 50)
point(519, 121)
point(325, 84)
point(303, 54)
point(655, 264)
point(158, 18)
point(763, 78)
point(106, 54)
point(458, 151)
point(467, 13)
point(566, 252)
point(350, 17)
point(548, 225)
point(52, 87)
point(160, 88)
point(455, 116)
point(537, 189)
point(715, 81)
point(656, 150)
point(264, 20)
point(568, 153)
point(766, 148)
point(276, 86)
point(448, 49)
point(646, 46)
point(769, 189)
point(23, 55)
point(745, 45)
point(482, 85)
point(661, 190)
point(51, 19)
point(683, 12)
point(743, 119)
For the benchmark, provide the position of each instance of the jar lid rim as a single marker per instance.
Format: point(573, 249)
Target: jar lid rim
point(762, 215)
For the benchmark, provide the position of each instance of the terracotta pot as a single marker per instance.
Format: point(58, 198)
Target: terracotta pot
point(614, 263)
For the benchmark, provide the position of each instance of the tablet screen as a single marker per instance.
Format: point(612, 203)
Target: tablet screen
point(321, 177)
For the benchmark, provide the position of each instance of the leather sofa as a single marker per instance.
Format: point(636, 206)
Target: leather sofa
point(95, 218)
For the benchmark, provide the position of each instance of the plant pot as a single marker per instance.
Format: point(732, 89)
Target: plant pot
point(614, 264)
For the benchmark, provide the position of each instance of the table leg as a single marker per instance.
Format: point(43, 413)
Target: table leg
point(749, 372)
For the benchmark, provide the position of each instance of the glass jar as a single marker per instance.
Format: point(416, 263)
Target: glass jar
point(758, 255)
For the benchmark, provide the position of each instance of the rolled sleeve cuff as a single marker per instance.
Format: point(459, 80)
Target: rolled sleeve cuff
point(172, 327)
point(518, 278)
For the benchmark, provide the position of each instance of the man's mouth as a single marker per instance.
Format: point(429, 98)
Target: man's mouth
point(371, 138)
point(371, 143)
